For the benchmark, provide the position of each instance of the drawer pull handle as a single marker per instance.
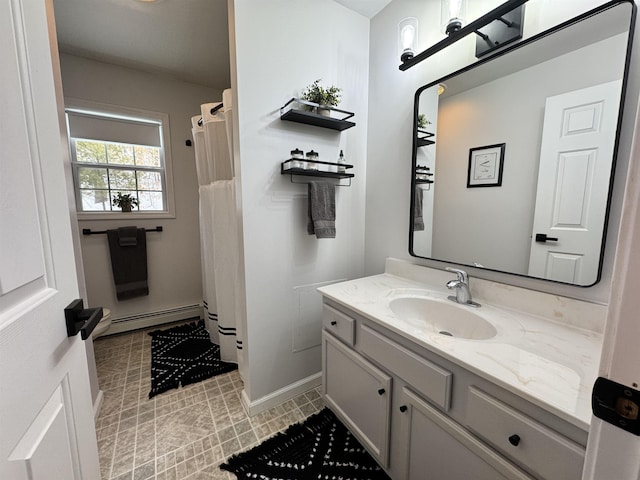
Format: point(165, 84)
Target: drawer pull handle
point(403, 408)
point(381, 391)
point(514, 440)
point(333, 322)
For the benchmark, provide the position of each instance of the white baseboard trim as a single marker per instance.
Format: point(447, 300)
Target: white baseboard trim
point(282, 395)
point(97, 405)
point(152, 319)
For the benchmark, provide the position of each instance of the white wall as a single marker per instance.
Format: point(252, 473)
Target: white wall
point(282, 46)
point(174, 255)
point(391, 95)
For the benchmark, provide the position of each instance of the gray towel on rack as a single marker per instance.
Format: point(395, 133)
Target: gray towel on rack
point(129, 263)
point(128, 236)
point(418, 220)
point(322, 210)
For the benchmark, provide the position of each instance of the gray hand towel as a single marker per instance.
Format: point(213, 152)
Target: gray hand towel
point(322, 210)
point(129, 265)
point(418, 220)
point(128, 236)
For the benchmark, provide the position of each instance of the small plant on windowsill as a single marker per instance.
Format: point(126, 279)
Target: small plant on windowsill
point(125, 202)
point(327, 97)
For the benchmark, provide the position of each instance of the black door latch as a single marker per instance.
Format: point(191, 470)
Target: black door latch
point(80, 319)
point(542, 237)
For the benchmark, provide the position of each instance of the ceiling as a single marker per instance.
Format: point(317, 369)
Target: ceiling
point(185, 39)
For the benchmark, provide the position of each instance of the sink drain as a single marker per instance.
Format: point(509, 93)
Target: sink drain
point(444, 332)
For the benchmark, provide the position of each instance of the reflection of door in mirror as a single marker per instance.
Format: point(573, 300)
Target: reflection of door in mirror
point(503, 100)
point(573, 179)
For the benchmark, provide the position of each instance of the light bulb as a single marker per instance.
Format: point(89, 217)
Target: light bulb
point(454, 8)
point(407, 35)
point(453, 13)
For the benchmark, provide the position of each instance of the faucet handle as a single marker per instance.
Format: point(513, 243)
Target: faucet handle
point(462, 275)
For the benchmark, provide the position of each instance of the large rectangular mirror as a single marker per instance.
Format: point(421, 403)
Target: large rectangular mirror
point(514, 156)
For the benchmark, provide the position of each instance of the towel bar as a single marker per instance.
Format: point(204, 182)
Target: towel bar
point(88, 231)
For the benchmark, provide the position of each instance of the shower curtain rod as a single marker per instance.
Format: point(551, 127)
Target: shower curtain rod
point(212, 111)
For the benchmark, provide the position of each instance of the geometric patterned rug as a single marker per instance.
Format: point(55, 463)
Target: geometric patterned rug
point(319, 448)
point(182, 355)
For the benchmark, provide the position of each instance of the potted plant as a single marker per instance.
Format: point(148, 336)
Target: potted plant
point(125, 202)
point(422, 120)
point(327, 97)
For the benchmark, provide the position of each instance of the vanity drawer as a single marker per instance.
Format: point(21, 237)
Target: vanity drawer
point(425, 377)
point(338, 324)
point(543, 451)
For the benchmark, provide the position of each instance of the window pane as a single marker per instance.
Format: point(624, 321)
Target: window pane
point(90, 152)
point(147, 156)
point(120, 153)
point(149, 181)
point(95, 200)
point(151, 201)
point(92, 177)
point(122, 179)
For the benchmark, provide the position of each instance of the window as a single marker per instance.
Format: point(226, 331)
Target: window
point(115, 153)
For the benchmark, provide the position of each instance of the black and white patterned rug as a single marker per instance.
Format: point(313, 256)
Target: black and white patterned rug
point(182, 355)
point(319, 448)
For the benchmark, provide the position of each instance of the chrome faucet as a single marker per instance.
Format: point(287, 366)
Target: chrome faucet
point(461, 286)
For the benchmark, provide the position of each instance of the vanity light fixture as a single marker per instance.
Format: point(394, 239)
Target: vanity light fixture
point(407, 38)
point(498, 16)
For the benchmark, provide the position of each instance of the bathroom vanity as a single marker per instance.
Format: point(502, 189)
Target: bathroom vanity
point(437, 390)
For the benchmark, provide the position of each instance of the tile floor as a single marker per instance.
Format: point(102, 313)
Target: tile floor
point(183, 434)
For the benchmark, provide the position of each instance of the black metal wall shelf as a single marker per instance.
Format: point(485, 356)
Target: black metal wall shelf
point(288, 112)
point(306, 172)
point(424, 138)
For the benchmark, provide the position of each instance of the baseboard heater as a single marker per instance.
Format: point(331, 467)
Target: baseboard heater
point(150, 319)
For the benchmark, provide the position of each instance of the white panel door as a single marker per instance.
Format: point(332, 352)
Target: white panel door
point(573, 183)
point(46, 413)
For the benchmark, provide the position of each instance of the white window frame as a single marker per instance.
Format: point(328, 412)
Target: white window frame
point(74, 104)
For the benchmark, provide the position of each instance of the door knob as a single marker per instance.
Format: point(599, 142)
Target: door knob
point(80, 319)
point(542, 237)
point(381, 391)
point(514, 440)
point(403, 408)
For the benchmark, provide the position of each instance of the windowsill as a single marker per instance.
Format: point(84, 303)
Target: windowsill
point(91, 216)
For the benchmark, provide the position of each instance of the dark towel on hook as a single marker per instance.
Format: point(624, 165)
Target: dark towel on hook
point(129, 262)
point(418, 220)
point(128, 236)
point(322, 210)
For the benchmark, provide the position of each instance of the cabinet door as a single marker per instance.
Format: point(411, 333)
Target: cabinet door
point(359, 394)
point(438, 448)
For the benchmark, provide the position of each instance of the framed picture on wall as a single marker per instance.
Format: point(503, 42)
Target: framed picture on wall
point(485, 166)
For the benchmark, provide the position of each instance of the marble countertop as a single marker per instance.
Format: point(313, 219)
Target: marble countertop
point(550, 364)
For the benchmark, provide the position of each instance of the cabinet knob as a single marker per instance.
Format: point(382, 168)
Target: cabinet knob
point(381, 391)
point(403, 408)
point(333, 322)
point(514, 440)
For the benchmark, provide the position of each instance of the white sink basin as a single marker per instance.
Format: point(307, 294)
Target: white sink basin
point(443, 317)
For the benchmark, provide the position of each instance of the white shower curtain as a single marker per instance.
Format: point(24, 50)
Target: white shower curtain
point(219, 228)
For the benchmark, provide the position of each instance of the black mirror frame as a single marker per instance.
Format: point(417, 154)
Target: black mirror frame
point(505, 51)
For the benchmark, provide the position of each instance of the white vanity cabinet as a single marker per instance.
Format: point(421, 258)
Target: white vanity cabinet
point(424, 417)
point(360, 394)
point(436, 447)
